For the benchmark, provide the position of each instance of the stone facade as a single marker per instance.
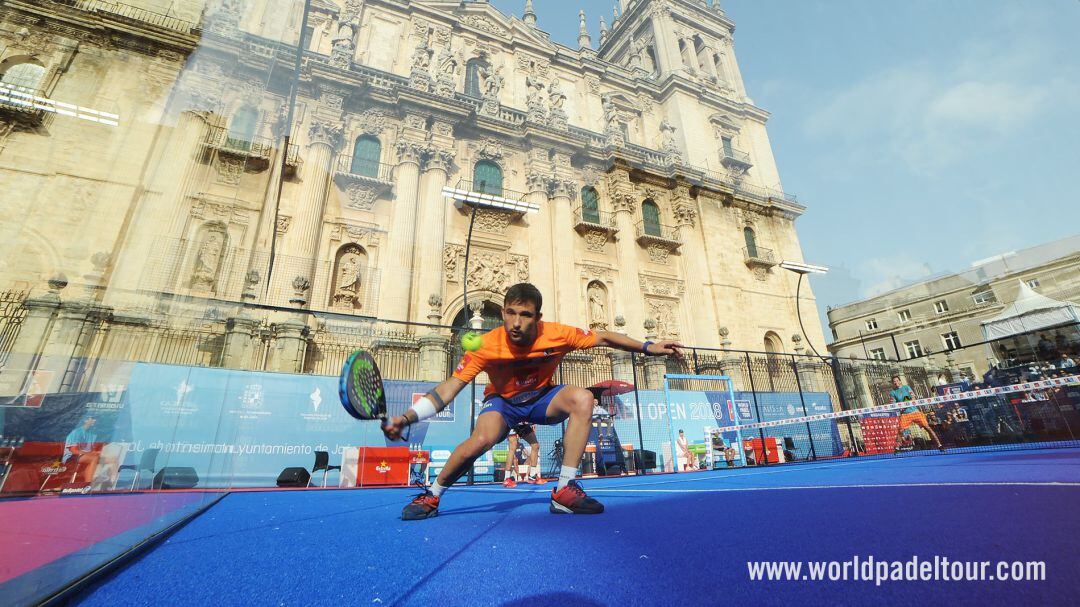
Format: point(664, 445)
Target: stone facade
point(926, 313)
point(190, 193)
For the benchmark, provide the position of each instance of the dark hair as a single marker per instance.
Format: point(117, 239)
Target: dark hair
point(524, 292)
point(895, 377)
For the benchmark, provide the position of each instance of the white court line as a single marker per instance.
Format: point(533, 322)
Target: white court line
point(800, 487)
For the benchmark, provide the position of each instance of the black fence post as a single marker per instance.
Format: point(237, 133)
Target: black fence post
point(802, 399)
point(757, 411)
point(835, 363)
point(472, 426)
point(697, 368)
point(637, 404)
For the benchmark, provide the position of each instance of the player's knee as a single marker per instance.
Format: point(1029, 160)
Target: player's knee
point(483, 442)
point(581, 402)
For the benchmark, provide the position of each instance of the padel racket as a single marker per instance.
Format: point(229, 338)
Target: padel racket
point(361, 388)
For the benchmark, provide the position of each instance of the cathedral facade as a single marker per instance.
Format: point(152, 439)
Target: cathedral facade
point(157, 155)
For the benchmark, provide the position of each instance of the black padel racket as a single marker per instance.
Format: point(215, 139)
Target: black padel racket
point(361, 387)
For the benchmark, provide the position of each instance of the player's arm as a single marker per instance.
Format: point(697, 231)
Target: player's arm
point(622, 342)
point(426, 407)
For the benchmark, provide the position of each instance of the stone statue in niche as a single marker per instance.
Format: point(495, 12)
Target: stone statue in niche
point(348, 280)
point(208, 260)
point(597, 307)
point(534, 103)
point(557, 99)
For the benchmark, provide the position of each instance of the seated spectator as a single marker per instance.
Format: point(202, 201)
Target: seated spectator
point(1064, 362)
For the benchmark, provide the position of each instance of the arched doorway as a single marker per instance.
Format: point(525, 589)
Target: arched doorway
point(491, 314)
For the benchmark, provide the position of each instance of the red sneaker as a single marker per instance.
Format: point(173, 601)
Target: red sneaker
point(572, 500)
point(509, 483)
point(425, 505)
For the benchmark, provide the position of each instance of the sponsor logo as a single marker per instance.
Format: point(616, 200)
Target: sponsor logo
point(464, 363)
point(75, 489)
point(316, 399)
point(383, 467)
point(584, 331)
point(112, 399)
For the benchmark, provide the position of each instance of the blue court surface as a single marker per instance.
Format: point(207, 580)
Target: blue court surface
point(664, 540)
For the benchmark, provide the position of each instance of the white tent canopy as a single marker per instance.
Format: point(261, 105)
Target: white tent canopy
point(1030, 312)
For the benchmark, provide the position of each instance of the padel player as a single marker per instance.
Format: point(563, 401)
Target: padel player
point(520, 359)
point(532, 461)
point(910, 415)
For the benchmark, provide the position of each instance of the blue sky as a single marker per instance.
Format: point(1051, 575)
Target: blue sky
point(923, 135)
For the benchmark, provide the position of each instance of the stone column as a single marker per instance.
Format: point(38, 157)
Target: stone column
point(564, 191)
point(289, 346)
point(434, 345)
point(694, 269)
point(41, 312)
point(431, 230)
point(241, 339)
point(300, 257)
point(655, 366)
point(667, 47)
point(631, 305)
point(397, 268)
point(542, 244)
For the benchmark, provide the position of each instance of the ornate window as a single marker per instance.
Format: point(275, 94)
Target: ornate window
point(751, 242)
point(487, 178)
point(365, 157)
point(25, 75)
point(650, 215)
point(472, 76)
point(590, 204)
point(773, 345)
point(242, 128)
point(702, 55)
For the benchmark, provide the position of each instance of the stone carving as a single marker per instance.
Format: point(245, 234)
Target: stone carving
point(442, 35)
point(300, 285)
point(685, 213)
point(593, 272)
point(420, 28)
point(208, 257)
point(668, 144)
point(534, 102)
point(596, 240)
point(592, 83)
point(521, 262)
point(452, 253)
point(441, 159)
point(597, 295)
point(224, 18)
point(420, 75)
point(665, 315)
point(492, 86)
point(229, 170)
point(342, 47)
point(485, 24)
point(654, 285)
point(623, 202)
point(658, 253)
point(348, 278)
point(590, 175)
point(366, 235)
point(410, 151)
point(487, 271)
point(371, 122)
point(326, 134)
point(612, 127)
point(491, 149)
point(361, 196)
point(496, 222)
point(557, 116)
point(283, 222)
point(449, 65)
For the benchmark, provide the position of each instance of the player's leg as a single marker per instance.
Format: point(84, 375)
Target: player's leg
point(533, 461)
point(510, 478)
point(574, 405)
point(490, 430)
point(924, 423)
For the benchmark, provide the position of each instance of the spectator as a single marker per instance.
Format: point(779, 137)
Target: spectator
point(684, 451)
point(729, 456)
point(80, 446)
point(1045, 346)
point(1064, 362)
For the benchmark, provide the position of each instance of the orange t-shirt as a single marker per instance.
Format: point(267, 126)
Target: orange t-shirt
point(515, 369)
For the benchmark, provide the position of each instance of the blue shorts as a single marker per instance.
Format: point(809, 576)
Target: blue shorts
point(527, 407)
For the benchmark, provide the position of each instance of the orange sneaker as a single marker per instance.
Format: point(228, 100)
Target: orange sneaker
point(509, 483)
point(425, 505)
point(573, 500)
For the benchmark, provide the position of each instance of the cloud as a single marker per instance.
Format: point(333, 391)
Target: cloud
point(883, 274)
point(932, 114)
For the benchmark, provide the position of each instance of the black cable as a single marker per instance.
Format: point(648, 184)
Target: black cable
point(798, 312)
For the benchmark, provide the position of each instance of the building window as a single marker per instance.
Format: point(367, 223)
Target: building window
point(726, 141)
point(913, 349)
point(1033, 283)
point(650, 61)
point(650, 215)
point(877, 353)
point(871, 325)
point(365, 158)
point(951, 340)
point(625, 130)
point(751, 242)
point(242, 128)
point(24, 75)
point(590, 205)
point(983, 298)
point(904, 315)
point(487, 178)
point(472, 76)
point(941, 307)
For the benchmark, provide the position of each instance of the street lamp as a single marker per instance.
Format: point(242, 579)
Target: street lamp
point(802, 269)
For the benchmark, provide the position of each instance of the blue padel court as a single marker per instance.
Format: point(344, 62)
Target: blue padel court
point(664, 539)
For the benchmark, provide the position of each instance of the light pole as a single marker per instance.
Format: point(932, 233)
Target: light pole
point(803, 269)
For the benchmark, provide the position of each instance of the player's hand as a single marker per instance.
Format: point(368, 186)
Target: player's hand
point(393, 427)
point(666, 348)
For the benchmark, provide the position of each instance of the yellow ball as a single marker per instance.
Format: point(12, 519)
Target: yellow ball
point(471, 341)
